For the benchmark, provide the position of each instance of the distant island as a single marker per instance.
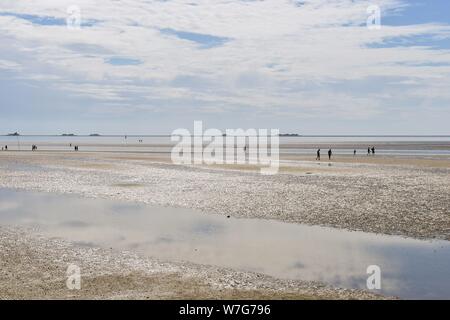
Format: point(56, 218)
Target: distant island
point(94, 135)
point(289, 135)
point(68, 135)
point(14, 134)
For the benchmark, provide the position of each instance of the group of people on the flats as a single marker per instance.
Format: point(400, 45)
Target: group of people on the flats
point(370, 150)
point(34, 148)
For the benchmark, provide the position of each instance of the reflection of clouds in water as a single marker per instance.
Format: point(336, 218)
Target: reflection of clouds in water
point(340, 278)
point(9, 200)
point(298, 265)
point(87, 244)
point(9, 205)
point(148, 244)
point(135, 245)
point(415, 268)
point(344, 262)
point(162, 239)
point(409, 267)
point(125, 209)
point(120, 238)
point(13, 208)
point(74, 224)
point(207, 228)
point(154, 243)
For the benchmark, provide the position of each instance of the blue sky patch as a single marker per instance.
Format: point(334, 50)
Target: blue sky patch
point(45, 20)
point(413, 41)
point(418, 12)
point(121, 61)
point(206, 41)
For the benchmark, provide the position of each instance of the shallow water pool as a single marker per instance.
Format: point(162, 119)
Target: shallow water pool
point(409, 268)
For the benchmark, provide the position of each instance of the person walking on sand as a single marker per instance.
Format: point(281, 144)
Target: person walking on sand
point(354, 152)
point(329, 154)
point(318, 155)
point(368, 151)
point(373, 150)
point(6, 148)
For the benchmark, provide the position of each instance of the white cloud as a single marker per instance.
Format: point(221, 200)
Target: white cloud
point(9, 65)
point(274, 43)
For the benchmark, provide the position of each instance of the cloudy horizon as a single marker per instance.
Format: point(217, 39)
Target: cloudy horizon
point(149, 67)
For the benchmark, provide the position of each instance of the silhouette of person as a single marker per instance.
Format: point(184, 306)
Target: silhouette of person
point(373, 150)
point(354, 152)
point(318, 154)
point(6, 148)
point(329, 154)
point(368, 151)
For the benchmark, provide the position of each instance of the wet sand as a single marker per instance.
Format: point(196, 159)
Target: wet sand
point(34, 267)
point(398, 196)
point(389, 195)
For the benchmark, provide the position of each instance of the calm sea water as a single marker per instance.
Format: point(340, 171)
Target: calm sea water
point(385, 145)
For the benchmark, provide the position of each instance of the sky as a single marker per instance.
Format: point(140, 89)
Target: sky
point(150, 67)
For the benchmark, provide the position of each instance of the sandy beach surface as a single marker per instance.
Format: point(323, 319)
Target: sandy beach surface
point(409, 197)
point(35, 267)
point(388, 195)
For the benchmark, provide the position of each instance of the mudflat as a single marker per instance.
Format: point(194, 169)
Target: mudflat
point(398, 196)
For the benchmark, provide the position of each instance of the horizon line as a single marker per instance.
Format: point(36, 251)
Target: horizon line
point(286, 135)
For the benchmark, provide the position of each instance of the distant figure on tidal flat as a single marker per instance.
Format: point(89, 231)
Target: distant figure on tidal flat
point(368, 151)
point(354, 152)
point(373, 150)
point(6, 148)
point(318, 154)
point(329, 154)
